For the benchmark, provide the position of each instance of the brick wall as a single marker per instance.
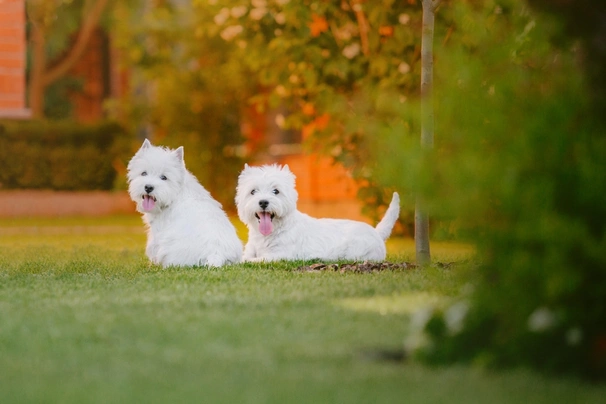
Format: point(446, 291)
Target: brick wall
point(12, 59)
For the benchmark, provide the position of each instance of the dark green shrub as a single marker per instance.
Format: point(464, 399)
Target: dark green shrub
point(540, 288)
point(519, 162)
point(61, 155)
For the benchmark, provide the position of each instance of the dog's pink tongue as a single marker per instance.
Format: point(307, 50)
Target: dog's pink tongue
point(148, 203)
point(265, 225)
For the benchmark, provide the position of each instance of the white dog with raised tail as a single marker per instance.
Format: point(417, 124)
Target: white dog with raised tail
point(185, 225)
point(266, 199)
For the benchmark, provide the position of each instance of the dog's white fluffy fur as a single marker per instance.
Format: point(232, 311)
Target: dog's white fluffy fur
point(266, 199)
point(185, 225)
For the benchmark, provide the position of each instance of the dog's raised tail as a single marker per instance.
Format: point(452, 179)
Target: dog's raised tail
point(391, 215)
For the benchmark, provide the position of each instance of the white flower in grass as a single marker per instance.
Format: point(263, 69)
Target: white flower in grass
point(222, 16)
point(238, 11)
point(351, 51)
point(541, 319)
point(417, 338)
point(574, 336)
point(231, 32)
point(420, 318)
point(454, 317)
point(467, 289)
point(415, 341)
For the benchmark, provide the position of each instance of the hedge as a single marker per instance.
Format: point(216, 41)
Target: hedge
point(61, 155)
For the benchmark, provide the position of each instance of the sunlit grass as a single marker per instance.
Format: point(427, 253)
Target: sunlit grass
point(86, 318)
point(127, 231)
point(403, 249)
point(407, 303)
point(69, 221)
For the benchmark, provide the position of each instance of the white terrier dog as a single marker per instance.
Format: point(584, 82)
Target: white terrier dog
point(267, 203)
point(185, 225)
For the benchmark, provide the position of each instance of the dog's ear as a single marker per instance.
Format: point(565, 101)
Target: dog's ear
point(286, 168)
point(146, 144)
point(246, 166)
point(179, 153)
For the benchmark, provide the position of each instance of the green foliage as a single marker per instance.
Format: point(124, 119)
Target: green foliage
point(315, 59)
point(59, 21)
point(57, 105)
point(520, 166)
point(584, 20)
point(203, 68)
point(61, 155)
point(48, 14)
point(184, 91)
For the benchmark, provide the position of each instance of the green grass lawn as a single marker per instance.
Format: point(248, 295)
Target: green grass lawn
point(85, 318)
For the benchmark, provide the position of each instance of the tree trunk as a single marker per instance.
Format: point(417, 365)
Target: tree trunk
point(42, 75)
point(423, 255)
point(36, 79)
point(88, 24)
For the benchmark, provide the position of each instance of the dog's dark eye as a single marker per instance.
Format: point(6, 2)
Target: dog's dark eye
point(144, 173)
point(163, 177)
point(275, 192)
point(253, 191)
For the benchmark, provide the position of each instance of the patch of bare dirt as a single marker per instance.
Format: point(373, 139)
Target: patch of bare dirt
point(367, 267)
point(358, 267)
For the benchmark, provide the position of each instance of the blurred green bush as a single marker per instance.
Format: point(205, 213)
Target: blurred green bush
point(62, 155)
point(519, 169)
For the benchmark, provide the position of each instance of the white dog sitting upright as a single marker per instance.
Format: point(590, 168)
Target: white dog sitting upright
point(185, 225)
point(266, 199)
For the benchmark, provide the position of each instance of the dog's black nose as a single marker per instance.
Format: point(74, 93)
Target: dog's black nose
point(149, 188)
point(263, 204)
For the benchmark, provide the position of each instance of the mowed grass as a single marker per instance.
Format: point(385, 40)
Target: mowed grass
point(85, 318)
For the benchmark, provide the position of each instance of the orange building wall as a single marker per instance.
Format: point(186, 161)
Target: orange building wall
point(12, 59)
point(325, 189)
point(320, 180)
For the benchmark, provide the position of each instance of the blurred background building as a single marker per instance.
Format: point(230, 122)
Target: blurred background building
point(12, 59)
point(325, 189)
